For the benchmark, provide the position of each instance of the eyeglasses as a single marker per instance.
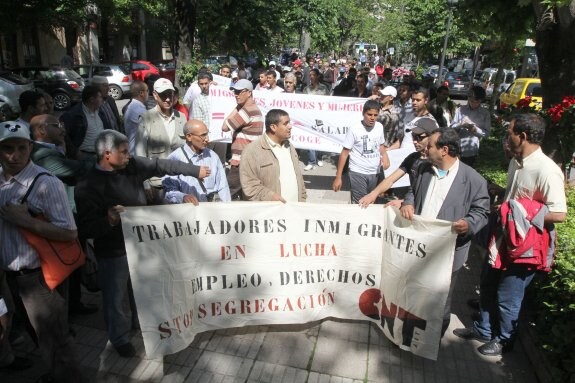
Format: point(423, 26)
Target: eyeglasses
point(238, 91)
point(202, 136)
point(58, 125)
point(419, 137)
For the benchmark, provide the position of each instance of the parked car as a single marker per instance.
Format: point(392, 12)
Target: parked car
point(142, 69)
point(11, 86)
point(167, 69)
point(118, 75)
point(488, 80)
point(433, 71)
point(459, 84)
point(521, 88)
point(64, 85)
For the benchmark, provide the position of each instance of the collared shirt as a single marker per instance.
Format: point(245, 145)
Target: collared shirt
point(437, 191)
point(247, 125)
point(48, 198)
point(169, 123)
point(132, 119)
point(95, 127)
point(288, 178)
point(176, 187)
point(539, 178)
point(201, 109)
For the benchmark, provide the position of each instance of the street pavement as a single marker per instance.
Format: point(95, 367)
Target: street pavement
point(333, 351)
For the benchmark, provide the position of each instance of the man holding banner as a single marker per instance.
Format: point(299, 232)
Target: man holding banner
point(270, 168)
point(246, 124)
point(450, 190)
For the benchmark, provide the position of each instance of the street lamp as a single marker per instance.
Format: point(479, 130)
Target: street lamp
point(450, 4)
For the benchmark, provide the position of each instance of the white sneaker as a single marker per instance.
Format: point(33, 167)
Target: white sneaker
point(320, 163)
point(308, 167)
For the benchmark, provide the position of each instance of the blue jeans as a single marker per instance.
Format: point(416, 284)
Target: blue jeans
point(312, 157)
point(114, 277)
point(501, 295)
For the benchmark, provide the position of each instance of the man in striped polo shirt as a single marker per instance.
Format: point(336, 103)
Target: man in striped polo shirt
point(246, 123)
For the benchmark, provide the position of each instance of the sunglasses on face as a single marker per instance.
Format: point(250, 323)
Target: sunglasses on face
point(165, 95)
point(419, 137)
point(238, 91)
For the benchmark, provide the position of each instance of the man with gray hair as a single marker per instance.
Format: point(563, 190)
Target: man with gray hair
point(115, 182)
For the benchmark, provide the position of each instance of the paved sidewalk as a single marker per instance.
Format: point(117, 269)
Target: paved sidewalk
point(328, 351)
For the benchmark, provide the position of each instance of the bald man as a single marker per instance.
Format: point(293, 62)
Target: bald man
point(185, 189)
point(49, 150)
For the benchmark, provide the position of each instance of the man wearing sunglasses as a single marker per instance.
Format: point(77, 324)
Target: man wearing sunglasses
point(246, 124)
point(159, 134)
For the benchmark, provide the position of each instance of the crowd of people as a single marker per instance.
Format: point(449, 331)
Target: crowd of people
point(161, 154)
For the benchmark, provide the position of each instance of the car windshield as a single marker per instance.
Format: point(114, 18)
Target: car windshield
point(534, 90)
point(14, 78)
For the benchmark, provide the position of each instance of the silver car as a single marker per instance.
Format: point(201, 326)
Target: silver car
point(119, 77)
point(11, 86)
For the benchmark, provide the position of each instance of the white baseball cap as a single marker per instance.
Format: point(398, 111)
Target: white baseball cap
point(389, 91)
point(162, 85)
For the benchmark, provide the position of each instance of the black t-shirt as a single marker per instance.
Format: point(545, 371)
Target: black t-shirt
point(411, 164)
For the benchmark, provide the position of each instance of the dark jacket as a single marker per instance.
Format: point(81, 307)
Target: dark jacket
point(467, 198)
point(101, 190)
point(76, 125)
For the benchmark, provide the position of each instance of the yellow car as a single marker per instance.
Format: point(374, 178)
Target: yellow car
point(521, 88)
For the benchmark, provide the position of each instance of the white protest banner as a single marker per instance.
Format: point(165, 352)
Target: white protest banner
point(207, 267)
point(318, 122)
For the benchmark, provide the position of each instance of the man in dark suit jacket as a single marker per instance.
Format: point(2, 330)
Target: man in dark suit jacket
point(448, 189)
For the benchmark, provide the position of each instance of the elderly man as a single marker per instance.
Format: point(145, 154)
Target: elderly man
point(448, 189)
point(49, 152)
point(246, 124)
point(534, 177)
point(116, 182)
point(270, 168)
point(186, 189)
point(46, 309)
point(108, 110)
point(159, 134)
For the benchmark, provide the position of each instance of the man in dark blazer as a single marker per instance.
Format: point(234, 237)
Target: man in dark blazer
point(448, 189)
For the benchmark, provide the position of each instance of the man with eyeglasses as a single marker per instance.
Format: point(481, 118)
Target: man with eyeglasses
point(186, 189)
point(48, 152)
point(246, 124)
point(472, 122)
point(159, 134)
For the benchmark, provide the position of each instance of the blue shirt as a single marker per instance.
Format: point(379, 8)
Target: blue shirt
point(176, 187)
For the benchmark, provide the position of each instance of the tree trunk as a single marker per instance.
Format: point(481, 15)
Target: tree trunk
point(556, 53)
